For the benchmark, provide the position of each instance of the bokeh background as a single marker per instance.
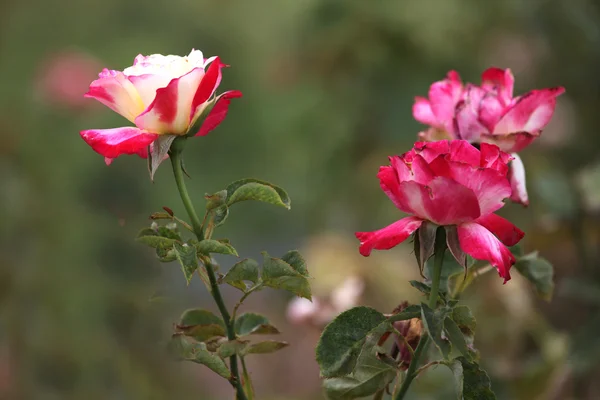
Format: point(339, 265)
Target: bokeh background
point(328, 87)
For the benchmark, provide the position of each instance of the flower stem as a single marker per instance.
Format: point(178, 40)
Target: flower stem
point(176, 162)
point(438, 263)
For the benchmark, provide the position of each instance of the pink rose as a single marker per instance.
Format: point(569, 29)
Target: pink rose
point(165, 97)
point(451, 184)
point(488, 113)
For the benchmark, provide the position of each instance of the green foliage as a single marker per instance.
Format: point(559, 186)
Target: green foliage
point(295, 259)
point(245, 270)
point(433, 321)
point(472, 383)
point(186, 255)
point(279, 274)
point(254, 189)
point(456, 337)
point(201, 325)
point(251, 323)
point(186, 349)
point(539, 272)
point(231, 347)
point(373, 372)
point(342, 340)
point(265, 347)
point(426, 290)
point(208, 246)
point(219, 215)
point(465, 320)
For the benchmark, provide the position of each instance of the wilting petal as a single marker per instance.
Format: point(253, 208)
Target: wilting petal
point(218, 112)
point(500, 80)
point(511, 143)
point(531, 113)
point(502, 228)
point(489, 185)
point(516, 175)
point(481, 244)
point(114, 90)
point(435, 134)
point(422, 112)
point(111, 143)
point(443, 96)
point(207, 88)
point(490, 111)
point(468, 126)
point(388, 237)
point(443, 201)
point(493, 157)
point(170, 111)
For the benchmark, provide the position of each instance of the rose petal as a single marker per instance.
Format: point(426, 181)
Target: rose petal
point(463, 151)
point(531, 113)
point(504, 230)
point(443, 201)
point(422, 112)
point(147, 85)
point(218, 112)
point(111, 143)
point(170, 111)
point(443, 97)
point(511, 143)
point(388, 237)
point(493, 157)
point(489, 186)
point(500, 80)
point(481, 244)
point(207, 88)
point(468, 126)
point(430, 150)
point(114, 90)
point(516, 175)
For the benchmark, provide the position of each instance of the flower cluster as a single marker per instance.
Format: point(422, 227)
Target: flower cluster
point(464, 168)
point(487, 113)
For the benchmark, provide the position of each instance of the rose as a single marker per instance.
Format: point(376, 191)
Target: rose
point(455, 185)
point(165, 97)
point(488, 113)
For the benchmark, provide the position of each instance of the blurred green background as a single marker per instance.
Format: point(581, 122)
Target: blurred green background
point(328, 88)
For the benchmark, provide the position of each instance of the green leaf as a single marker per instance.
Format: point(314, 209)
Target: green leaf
point(201, 324)
point(410, 312)
point(280, 275)
point(433, 321)
point(251, 323)
point(157, 242)
point(220, 214)
point(426, 289)
point(208, 246)
point(198, 353)
point(229, 348)
point(245, 270)
point(201, 333)
point(186, 255)
point(247, 381)
point(166, 255)
point(168, 232)
point(199, 316)
point(472, 383)
point(268, 346)
point(538, 271)
point(341, 341)
point(254, 189)
point(215, 200)
point(465, 320)
point(295, 259)
point(373, 372)
point(456, 337)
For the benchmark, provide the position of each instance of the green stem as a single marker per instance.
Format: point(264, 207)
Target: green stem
point(438, 263)
point(176, 162)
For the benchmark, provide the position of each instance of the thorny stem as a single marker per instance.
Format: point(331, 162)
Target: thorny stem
point(176, 162)
point(438, 263)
